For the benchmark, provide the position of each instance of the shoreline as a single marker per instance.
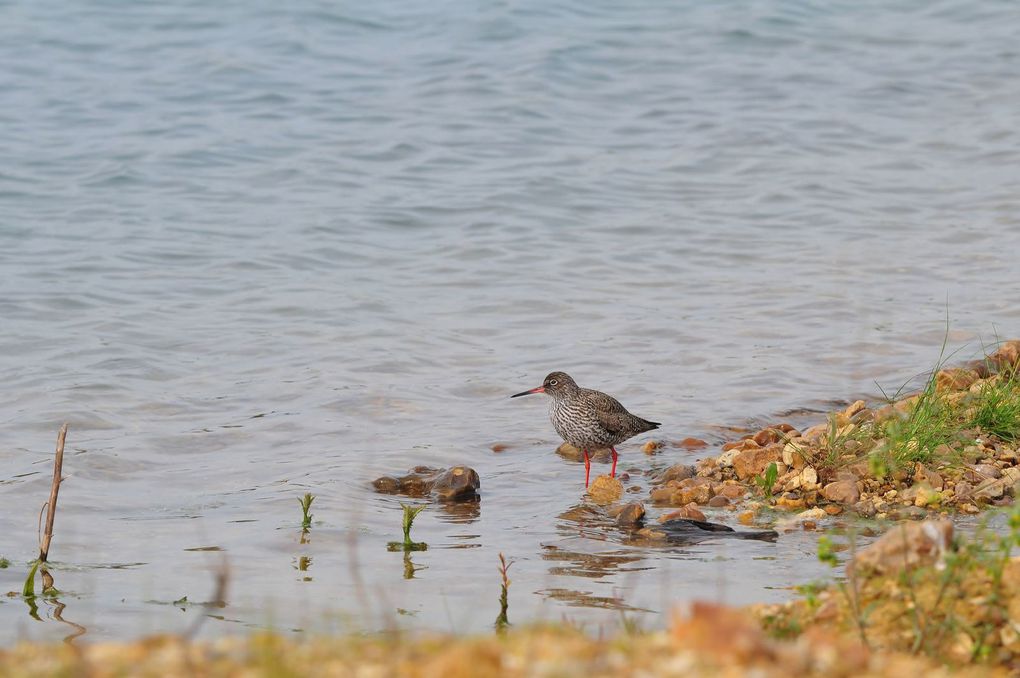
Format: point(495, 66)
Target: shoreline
point(906, 461)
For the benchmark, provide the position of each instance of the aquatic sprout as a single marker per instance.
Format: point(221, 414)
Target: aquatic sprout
point(501, 620)
point(410, 513)
point(306, 505)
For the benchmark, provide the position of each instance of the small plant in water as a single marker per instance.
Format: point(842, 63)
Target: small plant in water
point(306, 506)
point(4, 563)
point(501, 620)
point(767, 480)
point(410, 513)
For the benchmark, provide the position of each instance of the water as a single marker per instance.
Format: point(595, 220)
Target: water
point(249, 250)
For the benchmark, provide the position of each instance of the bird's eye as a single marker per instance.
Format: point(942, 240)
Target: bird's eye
point(552, 382)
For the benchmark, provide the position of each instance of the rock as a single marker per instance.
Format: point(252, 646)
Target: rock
point(696, 490)
point(812, 514)
point(842, 491)
point(652, 533)
point(913, 513)
point(990, 489)
point(742, 444)
point(498, 447)
point(689, 512)
point(808, 478)
point(718, 502)
point(955, 379)
point(725, 459)
point(632, 516)
point(865, 509)
point(905, 546)
point(963, 491)
point(746, 518)
point(981, 472)
point(1010, 477)
point(790, 502)
point(605, 490)
point(833, 510)
point(568, 451)
point(753, 461)
point(691, 444)
point(459, 482)
point(1007, 356)
point(767, 436)
point(677, 472)
point(816, 432)
point(853, 409)
point(731, 491)
point(664, 494)
point(795, 453)
point(651, 447)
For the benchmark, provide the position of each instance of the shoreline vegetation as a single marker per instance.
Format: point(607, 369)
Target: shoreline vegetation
point(920, 598)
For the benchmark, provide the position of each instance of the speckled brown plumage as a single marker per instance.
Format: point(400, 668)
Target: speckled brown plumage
point(588, 419)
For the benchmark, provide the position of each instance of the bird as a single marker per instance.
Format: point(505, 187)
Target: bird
point(588, 419)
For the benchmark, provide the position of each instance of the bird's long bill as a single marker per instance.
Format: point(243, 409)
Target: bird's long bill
point(540, 389)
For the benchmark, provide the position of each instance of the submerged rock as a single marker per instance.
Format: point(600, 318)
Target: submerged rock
point(631, 516)
point(568, 451)
point(459, 482)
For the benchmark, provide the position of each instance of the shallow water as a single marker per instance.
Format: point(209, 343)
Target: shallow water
point(249, 251)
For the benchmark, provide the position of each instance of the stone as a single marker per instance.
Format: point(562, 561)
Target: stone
point(857, 406)
point(677, 472)
point(795, 453)
point(842, 492)
point(963, 491)
point(790, 502)
point(812, 514)
point(663, 495)
point(718, 502)
point(691, 444)
point(725, 459)
point(865, 509)
point(753, 461)
point(696, 490)
point(498, 447)
point(767, 436)
point(955, 379)
point(1006, 356)
point(631, 516)
point(981, 472)
point(990, 489)
point(689, 512)
point(730, 491)
point(808, 478)
point(746, 518)
point(833, 509)
point(568, 451)
point(651, 447)
point(605, 490)
point(904, 547)
point(459, 482)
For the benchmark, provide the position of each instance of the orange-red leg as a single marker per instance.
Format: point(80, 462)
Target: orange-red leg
point(587, 467)
point(612, 474)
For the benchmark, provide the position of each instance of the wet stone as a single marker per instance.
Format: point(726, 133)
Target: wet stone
point(459, 482)
point(677, 472)
point(631, 516)
point(605, 490)
point(568, 451)
point(689, 512)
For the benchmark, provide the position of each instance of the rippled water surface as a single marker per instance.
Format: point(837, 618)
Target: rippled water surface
point(252, 250)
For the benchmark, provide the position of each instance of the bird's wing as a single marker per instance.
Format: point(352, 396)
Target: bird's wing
point(613, 416)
